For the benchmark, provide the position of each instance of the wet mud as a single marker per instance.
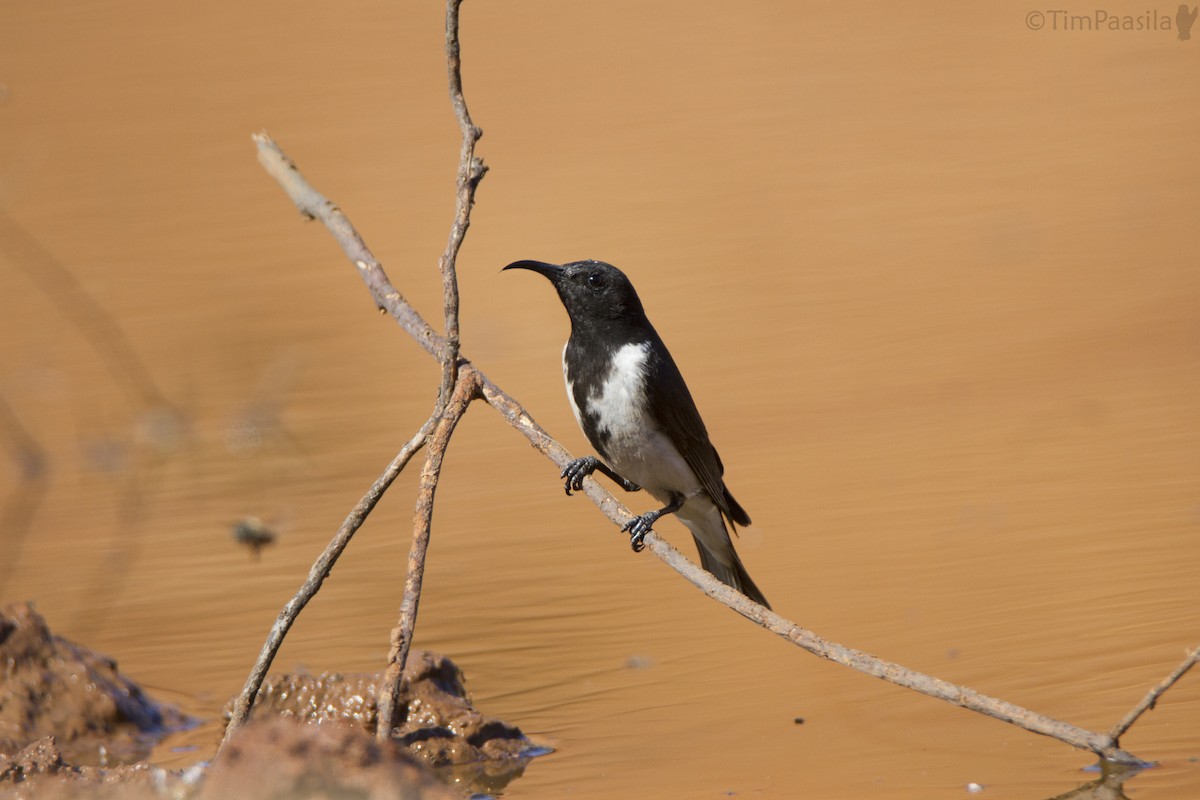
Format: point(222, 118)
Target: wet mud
point(53, 687)
point(72, 725)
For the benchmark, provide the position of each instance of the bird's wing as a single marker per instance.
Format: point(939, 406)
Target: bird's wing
point(672, 406)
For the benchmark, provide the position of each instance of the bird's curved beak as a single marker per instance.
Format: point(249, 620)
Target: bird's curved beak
point(551, 271)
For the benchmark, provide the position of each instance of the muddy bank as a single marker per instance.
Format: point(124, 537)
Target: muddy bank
point(71, 723)
point(40, 771)
point(275, 758)
point(53, 687)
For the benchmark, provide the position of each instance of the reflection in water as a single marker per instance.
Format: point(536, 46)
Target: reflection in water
point(133, 487)
point(258, 423)
point(94, 323)
point(491, 777)
point(901, 278)
point(1110, 785)
point(159, 433)
point(16, 514)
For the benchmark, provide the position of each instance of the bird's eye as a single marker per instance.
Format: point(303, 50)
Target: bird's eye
point(596, 280)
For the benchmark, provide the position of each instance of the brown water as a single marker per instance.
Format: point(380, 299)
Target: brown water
point(932, 276)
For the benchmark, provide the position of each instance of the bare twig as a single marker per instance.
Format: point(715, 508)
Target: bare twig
point(448, 409)
point(472, 381)
point(316, 576)
point(314, 205)
point(1152, 696)
point(470, 172)
point(893, 673)
point(389, 694)
point(516, 415)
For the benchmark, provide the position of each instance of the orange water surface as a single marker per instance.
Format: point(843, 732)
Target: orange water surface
point(931, 271)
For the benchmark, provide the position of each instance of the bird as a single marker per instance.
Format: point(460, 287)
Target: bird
point(635, 409)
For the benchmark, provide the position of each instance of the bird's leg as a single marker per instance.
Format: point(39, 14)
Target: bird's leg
point(638, 527)
point(580, 468)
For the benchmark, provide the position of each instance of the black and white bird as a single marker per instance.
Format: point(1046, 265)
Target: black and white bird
point(635, 409)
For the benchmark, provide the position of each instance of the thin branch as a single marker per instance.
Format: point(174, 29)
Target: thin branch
point(516, 415)
point(1152, 696)
point(1101, 744)
point(891, 672)
point(389, 694)
point(470, 172)
point(316, 576)
point(464, 385)
point(314, 205)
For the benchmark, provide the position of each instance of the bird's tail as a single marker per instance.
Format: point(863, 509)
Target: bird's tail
point(704, 519)
point(733, 574)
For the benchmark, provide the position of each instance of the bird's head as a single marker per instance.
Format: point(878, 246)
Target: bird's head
point(591, 291)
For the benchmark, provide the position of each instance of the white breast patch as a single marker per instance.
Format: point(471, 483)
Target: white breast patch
point(637, 449)
point(620, 404)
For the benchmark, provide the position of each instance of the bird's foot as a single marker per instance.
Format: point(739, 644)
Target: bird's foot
point(637, 528)
point(576, 471)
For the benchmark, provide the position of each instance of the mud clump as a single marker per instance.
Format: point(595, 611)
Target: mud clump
point(275, 759)
point(439, 725)
point(52, 687)
point(39, 771)
point(67, 716)
point(282, 758)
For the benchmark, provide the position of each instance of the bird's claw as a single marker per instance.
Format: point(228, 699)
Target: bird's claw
point(637, 528)
point(576, 471)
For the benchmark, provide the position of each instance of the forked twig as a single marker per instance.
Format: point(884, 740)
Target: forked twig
point(456, 391)
point(471, 382)
point(390, 689)
point(516, 416)
point(449, 409)
point(316, 576)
